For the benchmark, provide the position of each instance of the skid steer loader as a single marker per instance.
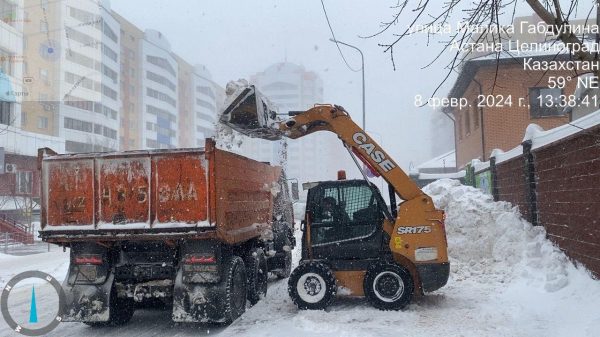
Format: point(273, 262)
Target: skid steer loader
point(352, 243)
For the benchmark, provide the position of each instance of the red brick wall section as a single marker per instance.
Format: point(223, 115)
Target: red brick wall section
point(568, 193)
point(511, 184)
point(23, 163)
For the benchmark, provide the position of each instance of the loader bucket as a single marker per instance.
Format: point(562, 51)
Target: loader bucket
point(251, 114)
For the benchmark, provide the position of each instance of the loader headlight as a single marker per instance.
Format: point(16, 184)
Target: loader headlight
point(426, 254)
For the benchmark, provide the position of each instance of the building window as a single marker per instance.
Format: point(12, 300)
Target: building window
point(109, 32)
point(475, 115)
point(205, 104)
point(23, 118)
point(6, 61)
point(206, 90)
point(460, 125)
point(545, 102)
point(162, 63)
point(151, 143)
point(42, 123)
point(160, 80)
point(161, 96)
point(24, 182)
point(6, 117)
point(43, 26)
point(467, 122)
point(76, 124)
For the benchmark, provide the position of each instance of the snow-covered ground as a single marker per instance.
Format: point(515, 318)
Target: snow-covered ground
point(506, 279)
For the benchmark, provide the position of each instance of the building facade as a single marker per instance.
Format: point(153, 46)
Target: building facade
point(206, 104)
point(292, 88)
point(159, 96)
point(199, 101)
point(130, 86)
point(72, 55)
point(483, 126)
point(12, 92)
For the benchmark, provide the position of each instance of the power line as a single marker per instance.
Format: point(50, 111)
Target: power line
point(335, 40)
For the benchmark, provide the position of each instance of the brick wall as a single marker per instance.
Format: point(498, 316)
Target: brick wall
point(568, 192)
point(510, 177)
point(567, 189)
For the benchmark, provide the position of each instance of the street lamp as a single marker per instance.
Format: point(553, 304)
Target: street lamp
point(363, 77)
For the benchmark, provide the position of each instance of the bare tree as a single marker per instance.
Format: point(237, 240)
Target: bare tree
point(426, 16)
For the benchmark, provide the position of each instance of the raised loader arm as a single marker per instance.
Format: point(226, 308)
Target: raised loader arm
point(335, 119)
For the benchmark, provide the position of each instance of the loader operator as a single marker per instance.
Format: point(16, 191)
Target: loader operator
point(332, 210)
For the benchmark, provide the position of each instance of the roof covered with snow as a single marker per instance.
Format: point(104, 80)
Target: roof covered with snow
point(447, 159)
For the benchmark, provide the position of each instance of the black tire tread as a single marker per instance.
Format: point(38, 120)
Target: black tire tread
point(230, 313)
point(256, 288)
point(409, 287)
point(317, 268)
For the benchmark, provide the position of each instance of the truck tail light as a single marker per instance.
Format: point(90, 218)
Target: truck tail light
point(200, 268)
point(199, 259)
point(94, 259)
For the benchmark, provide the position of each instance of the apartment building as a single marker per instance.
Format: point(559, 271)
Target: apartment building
point(291, 87)
point(159, 96)
point(72, 55)
point(12, 92)
point(199, 100)
point(131, 85)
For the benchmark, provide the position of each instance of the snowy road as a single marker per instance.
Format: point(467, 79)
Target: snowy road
point(506, 280)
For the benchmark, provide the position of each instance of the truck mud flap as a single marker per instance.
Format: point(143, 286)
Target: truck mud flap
point(87, 302)
point(198, 303)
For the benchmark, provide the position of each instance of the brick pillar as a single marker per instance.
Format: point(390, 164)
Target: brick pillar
point(530, 183)
point(494, 172)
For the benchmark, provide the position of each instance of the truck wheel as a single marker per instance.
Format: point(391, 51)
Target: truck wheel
point(312, 286)
point(287, 267)
point(257, 274)
point(234, 281)
point(388, 286)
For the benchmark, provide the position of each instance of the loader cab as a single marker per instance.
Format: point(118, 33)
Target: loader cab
point(344, 221)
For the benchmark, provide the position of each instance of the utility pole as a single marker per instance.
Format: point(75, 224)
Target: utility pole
point(362, 57)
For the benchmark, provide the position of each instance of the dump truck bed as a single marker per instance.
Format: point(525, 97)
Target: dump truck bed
point(157, 194)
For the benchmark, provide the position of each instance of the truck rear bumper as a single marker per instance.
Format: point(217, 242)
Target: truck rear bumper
point(433, 275)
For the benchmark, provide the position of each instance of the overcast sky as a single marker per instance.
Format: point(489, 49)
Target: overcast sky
point(235, 39)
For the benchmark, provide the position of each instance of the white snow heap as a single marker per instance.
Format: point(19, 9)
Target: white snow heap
point(533, 130)
point(225, 137)
point(490, 242)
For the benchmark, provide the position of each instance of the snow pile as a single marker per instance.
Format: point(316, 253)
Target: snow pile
point(226, 138)
point(490, 241)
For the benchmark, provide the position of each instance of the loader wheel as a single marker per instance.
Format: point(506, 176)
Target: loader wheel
point(234, 281)
point(257, 275)
point(287, 268)
point(388, 286)
point(312, 286)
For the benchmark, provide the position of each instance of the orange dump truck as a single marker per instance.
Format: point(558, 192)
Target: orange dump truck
point(196, 228)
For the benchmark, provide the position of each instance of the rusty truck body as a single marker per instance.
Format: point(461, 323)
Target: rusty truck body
point(196, 228)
